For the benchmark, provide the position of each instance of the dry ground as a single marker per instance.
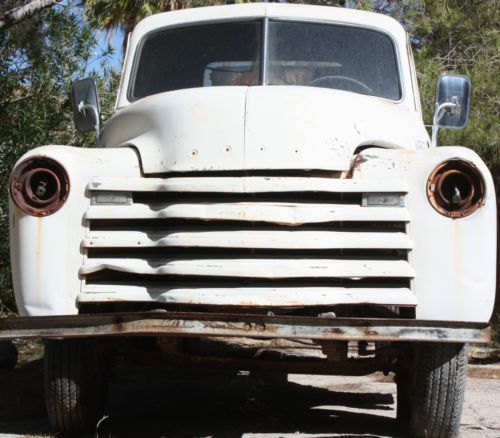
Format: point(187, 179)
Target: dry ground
point(151, 402)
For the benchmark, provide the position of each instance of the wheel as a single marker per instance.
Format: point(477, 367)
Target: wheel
point(75, 384)
point(430, 391)
point(8, 355)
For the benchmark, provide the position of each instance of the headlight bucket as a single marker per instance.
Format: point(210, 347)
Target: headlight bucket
point(456, 188)
point(39, 186)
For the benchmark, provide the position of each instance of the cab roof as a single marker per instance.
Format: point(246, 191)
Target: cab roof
point(271, 10)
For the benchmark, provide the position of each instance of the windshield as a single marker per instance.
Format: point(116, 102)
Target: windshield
point(329, 56)
point(298, 53)
point(199, 56)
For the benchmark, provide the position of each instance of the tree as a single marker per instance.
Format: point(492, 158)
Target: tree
point(20, 13)
point(125, 14)
point(461, 36)
point(38, 59)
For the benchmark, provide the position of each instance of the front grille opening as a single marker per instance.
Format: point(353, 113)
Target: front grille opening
point(284, 173)
point(278, 197)
point(108, 276)
point(243, 253)
point(155, 225)
point(354, 311)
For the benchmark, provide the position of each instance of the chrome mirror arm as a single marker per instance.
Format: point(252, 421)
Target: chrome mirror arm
point(438, 114)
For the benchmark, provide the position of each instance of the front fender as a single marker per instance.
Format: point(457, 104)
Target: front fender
point(454, 259)
point(45, 251)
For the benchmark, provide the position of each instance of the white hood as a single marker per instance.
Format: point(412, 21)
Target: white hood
point(267, 127)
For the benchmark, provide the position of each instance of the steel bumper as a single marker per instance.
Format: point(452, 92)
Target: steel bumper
point(160, 323)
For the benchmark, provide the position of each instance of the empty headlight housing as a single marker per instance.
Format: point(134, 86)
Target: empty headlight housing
point(39, 186)
point(456, 188)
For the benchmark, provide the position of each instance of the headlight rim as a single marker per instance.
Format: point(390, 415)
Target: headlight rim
point(21, 191)
point(470, 172)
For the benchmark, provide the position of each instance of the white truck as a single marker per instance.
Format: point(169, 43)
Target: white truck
point(266, 174)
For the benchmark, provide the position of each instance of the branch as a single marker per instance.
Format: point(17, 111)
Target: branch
point(21, 13)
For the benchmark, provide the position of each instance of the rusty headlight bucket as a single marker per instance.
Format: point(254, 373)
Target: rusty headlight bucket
point(39, 186)
point(456, 188)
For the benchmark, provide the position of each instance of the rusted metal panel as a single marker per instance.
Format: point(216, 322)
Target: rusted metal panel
point(203, 324)
point(282, 213)
point(248, 184)
point(39, 186)
point(246, 296)
point(255, 268)
point(247, 239)
point(456, 173)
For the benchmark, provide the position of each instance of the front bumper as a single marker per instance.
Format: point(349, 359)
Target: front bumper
point(252, 326)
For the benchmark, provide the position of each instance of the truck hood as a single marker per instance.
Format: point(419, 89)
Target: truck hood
point(266, 127)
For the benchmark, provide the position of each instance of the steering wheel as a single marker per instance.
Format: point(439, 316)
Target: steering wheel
point(323, 81)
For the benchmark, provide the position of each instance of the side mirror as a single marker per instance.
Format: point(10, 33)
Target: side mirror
point(452, 103)
point(85, 104)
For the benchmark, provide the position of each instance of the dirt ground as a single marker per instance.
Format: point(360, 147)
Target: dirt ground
point(155, 402)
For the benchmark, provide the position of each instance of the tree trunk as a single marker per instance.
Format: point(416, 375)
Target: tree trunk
point(23, 12)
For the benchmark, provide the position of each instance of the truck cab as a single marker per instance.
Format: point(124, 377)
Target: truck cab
point(266, 174)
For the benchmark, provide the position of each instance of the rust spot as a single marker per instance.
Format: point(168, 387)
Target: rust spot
point(112, 300)
point(371, 333)
point(270, 328)
point(355, 163)
point(335, 331)
point(456, 188)
point(39, 186)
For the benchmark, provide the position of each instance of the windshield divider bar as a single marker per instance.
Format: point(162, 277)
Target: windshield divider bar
point(265, 40)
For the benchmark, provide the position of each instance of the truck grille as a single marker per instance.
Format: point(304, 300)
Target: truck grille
point(247, 241)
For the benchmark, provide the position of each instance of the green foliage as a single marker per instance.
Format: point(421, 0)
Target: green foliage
point(461, 36)
point(125, 14)
point(38, 59)
point(111, 15)
point(495, 332)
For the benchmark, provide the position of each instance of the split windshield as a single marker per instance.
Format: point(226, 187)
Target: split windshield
point(298, 53)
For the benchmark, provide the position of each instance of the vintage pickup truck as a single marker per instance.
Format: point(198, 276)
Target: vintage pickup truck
point(266, 174)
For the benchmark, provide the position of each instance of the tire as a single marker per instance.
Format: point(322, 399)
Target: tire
point(430, 392)
point(8, 355)
point(76, 382)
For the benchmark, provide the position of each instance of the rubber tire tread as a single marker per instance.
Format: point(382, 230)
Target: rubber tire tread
point(440, 374)
point(75, 385)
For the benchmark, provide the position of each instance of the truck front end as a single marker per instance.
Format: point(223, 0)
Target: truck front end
point(267, 174)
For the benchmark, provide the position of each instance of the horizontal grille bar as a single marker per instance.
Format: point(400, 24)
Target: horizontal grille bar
point(247, 296)
point(250, 184)
point(255, 268)
point(284, 213)
point(246, 239)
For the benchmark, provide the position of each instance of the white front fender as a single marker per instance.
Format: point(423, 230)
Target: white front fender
point(454, 259)
point(45, 251)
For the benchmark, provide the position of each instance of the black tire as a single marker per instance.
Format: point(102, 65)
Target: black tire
point(431, 390)
point(8, 355)
point(75, 384)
